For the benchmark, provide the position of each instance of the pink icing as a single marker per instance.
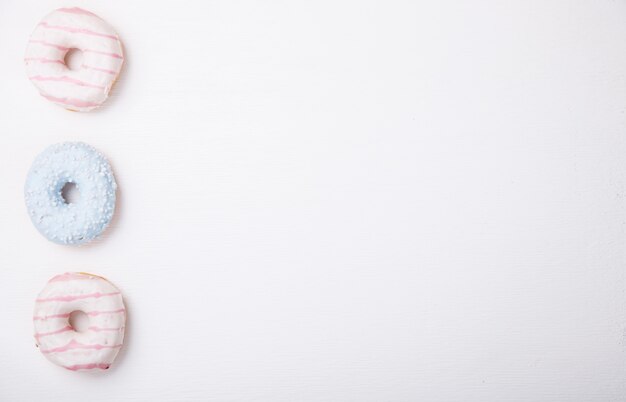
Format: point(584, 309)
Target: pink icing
point(70, 101)
point(94, 313)
point(72, 345)
point(69, 328)
point(64, 48)
point(58, 331)
point(114, 55)
point(102, 70)
point(90, 366)
point(77, 30)
point(67, 315)
point(76, 297)
point(65, 79)
point(44, 43)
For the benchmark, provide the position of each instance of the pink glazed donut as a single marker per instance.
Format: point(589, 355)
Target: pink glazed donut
point(84, 88)
point(100, 300)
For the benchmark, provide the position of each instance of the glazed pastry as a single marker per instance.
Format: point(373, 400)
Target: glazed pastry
point(88, 86)
point(97, 346)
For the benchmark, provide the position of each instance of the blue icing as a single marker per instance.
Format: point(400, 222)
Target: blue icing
point(88, 169)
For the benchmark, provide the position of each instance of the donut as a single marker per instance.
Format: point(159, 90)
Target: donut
point(54, 217)
point(97, 346)
point(88, 86)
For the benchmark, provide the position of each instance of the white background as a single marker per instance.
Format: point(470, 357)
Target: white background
point(339, 201)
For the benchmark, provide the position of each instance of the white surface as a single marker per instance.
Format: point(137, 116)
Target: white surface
point(339, 201)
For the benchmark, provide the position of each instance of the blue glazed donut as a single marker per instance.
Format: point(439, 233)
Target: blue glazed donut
point(58, 220)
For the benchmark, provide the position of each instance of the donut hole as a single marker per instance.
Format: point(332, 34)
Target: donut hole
point(70, 193)
point(79, 321)
point(73, 59)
